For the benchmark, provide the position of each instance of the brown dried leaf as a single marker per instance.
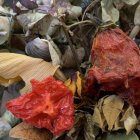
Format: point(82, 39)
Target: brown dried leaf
point(28, 132)
point(112, 108)
point(14, 67)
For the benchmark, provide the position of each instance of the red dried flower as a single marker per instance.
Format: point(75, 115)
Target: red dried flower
point(49, 105)
point(116, 65)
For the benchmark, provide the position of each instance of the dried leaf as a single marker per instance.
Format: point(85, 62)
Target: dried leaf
point(5, 26)
point(16, 66)
point(90, 131)
point(79, 82)
point(35, 23)
point(29, 4)
point(118, 136)
point(130, 120)
point(117, 125)
point(71, 84)
point(98, 118)
point(4, 128)
point(112, 108)
point(130, 2)
point(1, 2)
point(68, 59)
point(28, 132)
point(84, 128)
point(109, 13)
point(56, 58)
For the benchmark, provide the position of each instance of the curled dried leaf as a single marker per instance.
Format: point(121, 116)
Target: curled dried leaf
point(14, 67)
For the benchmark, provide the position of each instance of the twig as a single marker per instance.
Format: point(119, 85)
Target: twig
point(89, 7)
point(81, 22)
point(71, 46)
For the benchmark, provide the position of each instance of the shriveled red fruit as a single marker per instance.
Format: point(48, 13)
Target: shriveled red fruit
point(116, 65)
point(49, 105)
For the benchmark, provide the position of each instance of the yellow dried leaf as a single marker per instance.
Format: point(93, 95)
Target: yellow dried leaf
point(130, 120)
point(13, 66)
point(112, 108)
point(79, 84)
point(71, 84)
point(98, 118)
point(117, 125)
point(28, 132)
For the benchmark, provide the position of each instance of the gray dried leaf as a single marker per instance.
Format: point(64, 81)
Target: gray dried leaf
point(35, 23)
point(68, 59)
point(38, 48)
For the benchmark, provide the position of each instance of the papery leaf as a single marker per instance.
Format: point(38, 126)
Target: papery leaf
point(130, 2)
point(16, 66)
point(109, 13)
point(28, 132)
point(29, 4)
point(118, 136)
point(130, 120)
point(112, 108)
point(98, 118)
point(5, 26)
point(35, 23)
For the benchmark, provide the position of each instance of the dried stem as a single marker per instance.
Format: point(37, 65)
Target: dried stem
point(89, 7)
point(71, 46)
point(81, 22)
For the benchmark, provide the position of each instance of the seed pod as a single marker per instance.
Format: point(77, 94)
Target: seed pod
point(39, 49)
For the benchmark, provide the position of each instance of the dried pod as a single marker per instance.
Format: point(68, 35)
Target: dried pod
point(39, 49)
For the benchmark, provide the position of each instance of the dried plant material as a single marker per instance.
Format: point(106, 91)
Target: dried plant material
point(118, 70)
point(4, 128)
point(130, 2)
point(110, 114)
point(79, 84)
point(1, 2)
point(68, 59)
point(28, 132)
point(16, 66)
point(110, 13)
point(84, 128)
point(98, 118)
point(112, 108)
point(38, 48)
point(90, 131)
point(130, 120)
point(5, 26)
point(55, 57)
point(34, 23)
point(75, 84)
point(71, 84)
point(118, 136)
